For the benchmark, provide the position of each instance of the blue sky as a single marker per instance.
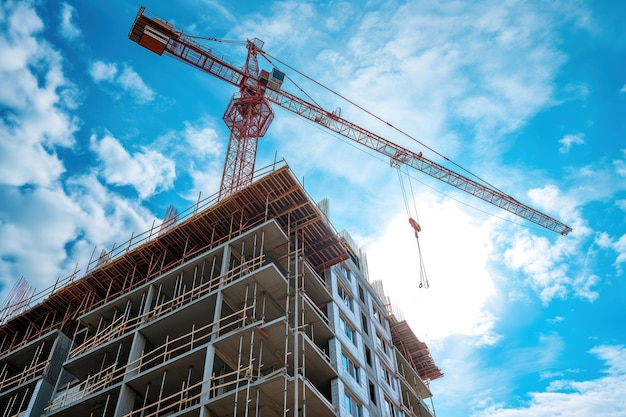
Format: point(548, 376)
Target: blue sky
point(99, 136)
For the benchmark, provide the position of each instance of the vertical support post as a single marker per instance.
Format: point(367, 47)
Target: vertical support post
point(19, 408)
point(209, 360)
point(145, 401)
point(237, 375)
point(287, 315)
point(186, 392)
point(296, 332)
point(161, 391)
point(202, 270)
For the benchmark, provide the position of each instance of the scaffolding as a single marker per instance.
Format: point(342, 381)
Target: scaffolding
point(275, 194)
point(224, 314)
point(268, 322)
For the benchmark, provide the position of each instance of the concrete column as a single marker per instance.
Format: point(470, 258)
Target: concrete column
point(151, 294)
point(209, 360)
point(225, 259)
point(126, 400)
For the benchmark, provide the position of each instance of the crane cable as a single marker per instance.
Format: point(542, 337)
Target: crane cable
point(416, 227)
point(217, 40)
point(402, 132)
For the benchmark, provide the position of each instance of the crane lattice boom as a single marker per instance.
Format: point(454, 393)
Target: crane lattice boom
point(249, 114)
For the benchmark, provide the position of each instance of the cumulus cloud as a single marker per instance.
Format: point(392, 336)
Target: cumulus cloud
point(49, 221)
point(543, 264)
point(36, 98)
point(566, 397)
point(623, 89)
point(130, 81)
point(103, 71)
point(618, 245)
point(34, 237)
point(123, 77)
point(210, 149)
point(551, 266)
point(569, 140)
point(203, 139)
point(106, 217)
point(146, 170)
point(68, 28)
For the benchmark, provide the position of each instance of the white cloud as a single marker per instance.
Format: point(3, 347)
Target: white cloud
point(552, 265)
point(556, 319)
point(44, 244)
point(618, 245)
point(35, 95)
point(147, 170)
point(623, 89)
point(620, 248)
point(544, 264)
point(568, 140)
point(215, 5)
point(494, 67)
point(68, 28)
point(603, 240)
point(620, 165)
point(490, 382)
point(130, 81)
point(48, 223)
point(203, 140)
point(124, 78)
point(206, 144)
point(209, 149)
point(33, 237)
point(604, 394)
point(456, 251)
point(106, 217)
point(103, 71)
point(277, 30)
point(597, 181)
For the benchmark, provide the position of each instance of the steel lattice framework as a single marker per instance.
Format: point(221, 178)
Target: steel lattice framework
point(249, 115)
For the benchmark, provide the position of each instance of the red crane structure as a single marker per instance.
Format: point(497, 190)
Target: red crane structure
point(249, 115)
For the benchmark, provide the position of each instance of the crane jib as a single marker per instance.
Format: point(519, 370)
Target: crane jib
point(417, 161)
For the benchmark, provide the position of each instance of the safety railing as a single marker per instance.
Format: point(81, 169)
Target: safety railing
point(27, 374)
point(123, 324)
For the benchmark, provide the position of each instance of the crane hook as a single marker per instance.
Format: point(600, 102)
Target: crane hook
point(423, 277)
point(415, 225)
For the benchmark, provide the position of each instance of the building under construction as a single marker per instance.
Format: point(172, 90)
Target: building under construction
point(251, 305)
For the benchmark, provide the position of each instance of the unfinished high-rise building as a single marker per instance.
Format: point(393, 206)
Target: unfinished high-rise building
point(249, 306)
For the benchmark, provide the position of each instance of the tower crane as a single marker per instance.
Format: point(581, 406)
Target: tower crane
point(250, 113)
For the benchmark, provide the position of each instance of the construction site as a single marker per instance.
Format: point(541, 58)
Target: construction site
point(249, 306)
point(247, 303)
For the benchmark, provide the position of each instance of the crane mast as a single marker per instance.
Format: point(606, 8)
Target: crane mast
point(249, 115)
